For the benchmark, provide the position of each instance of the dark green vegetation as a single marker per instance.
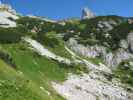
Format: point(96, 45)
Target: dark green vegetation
point(118, 33)
point(10, 35)
point(89, 33)
point(86, 31)
point(7, 58)
point(125, 72)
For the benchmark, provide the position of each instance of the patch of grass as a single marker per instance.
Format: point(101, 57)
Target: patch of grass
point(95, 60)
point(14, 86)
point(31, 62)
point(55, 44)
point(60, 50)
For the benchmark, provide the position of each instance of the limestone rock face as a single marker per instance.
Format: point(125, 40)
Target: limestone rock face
point(5, 7)
point(130, 41)
point(110, 59)
point(114, 59)
point(87, 14)
point(89, 51)
point(124, 44)
point(7, 16)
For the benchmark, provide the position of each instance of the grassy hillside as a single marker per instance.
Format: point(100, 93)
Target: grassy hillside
point(15, 86)
point(34, 70)
point(25, 75)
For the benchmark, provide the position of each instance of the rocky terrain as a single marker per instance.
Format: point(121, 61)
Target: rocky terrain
point(90, 58)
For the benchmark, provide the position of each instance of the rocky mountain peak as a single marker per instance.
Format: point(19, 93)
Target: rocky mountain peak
point(6, 7)
point(7, 16)
point(87, 13)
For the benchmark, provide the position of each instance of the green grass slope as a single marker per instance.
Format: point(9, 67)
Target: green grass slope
point(15, 86)
point(35, 72)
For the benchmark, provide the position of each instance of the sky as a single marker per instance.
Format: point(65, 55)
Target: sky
point(62, 9)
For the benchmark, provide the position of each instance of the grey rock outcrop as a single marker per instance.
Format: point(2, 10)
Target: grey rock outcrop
point(92, 86)
point(111, 59)
point(114, 59)
point(124, 44)
point(130, 41)
point(8, 8)
point(89, 51)
point(87, 14)
point(7, 16)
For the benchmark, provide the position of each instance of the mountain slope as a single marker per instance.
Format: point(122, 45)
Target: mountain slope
point(74, 59)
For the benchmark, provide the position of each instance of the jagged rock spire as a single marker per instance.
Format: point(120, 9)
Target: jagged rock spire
point(87, 13)
point(6, 7)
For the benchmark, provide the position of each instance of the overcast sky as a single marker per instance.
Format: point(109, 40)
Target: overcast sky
point(60, 9)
